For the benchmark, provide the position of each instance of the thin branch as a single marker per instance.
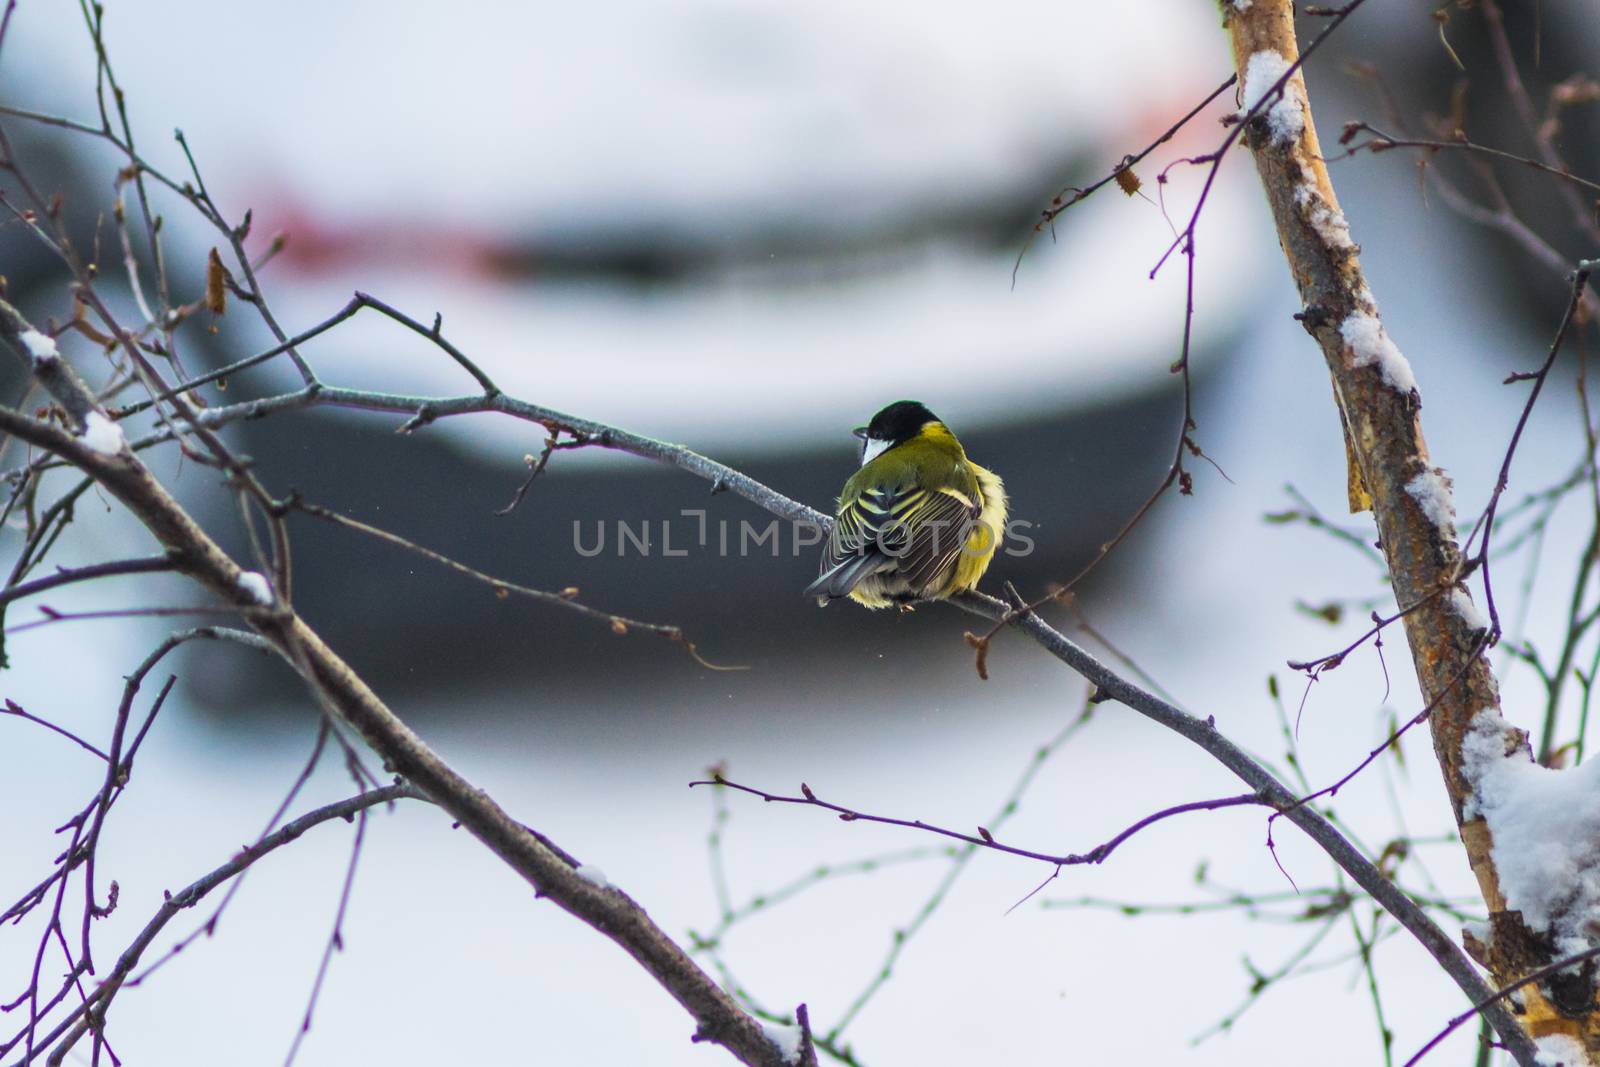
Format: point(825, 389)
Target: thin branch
point(1184, 242)
point(434, 334)
point(1383, 142)
point(71, 858)
point(1293, 965)
point(210, 926)
point(362, 708)
point(904, 935)
point(1500, 218)
point(92, 1013)
point(1204, 733)
point(1366, 943)
point(1482, 1006)
point(68, 575)
point(51, 616)
point(335, 940)
point(424, 410)
point(343, 693)
point(1058, 205)
point(536, 467)
point(618, 624)
point(1542, 134)
point(13, 708)
point(1579, 282)
point(983, 838)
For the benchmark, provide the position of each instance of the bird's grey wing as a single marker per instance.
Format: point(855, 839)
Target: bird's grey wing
point(941, 523)
point(868, 536)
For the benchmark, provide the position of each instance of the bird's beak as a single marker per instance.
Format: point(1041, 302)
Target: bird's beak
point(860, 431)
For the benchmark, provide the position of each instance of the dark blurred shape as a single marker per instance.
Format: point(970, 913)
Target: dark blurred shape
point(776, 241)
point(411, 625)
point(415, 628)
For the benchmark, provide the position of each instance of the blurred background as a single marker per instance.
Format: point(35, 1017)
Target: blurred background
point(745, 227)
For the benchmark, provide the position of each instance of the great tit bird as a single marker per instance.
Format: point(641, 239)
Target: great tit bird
point(918, 520)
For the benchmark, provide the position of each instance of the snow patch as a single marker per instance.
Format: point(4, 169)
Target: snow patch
point(1546, 829)
point(1241, 5)
point(593, 875)
point(1285, 120)
point(1431, 491)
point(256, 587)
point(1327, 221)
point(1370, 346)
point(1559, 1050)
point(786, 1038)
point(1464, 607)
point(42, 347)
point(102, 435)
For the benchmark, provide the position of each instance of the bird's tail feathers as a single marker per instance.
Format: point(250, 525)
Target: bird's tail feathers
point(838, 581)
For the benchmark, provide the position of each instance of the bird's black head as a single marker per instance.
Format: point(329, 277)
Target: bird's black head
point(897, 423)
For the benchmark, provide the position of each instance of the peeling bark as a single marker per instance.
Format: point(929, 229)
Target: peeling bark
point(1387, 452)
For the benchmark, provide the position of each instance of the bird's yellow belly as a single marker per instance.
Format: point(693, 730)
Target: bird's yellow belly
point(985, 537)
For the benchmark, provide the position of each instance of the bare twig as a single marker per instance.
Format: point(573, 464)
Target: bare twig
point(13, 708)
point(335, 940)
point(1580, 281)
point(68, 575)
point(1484, 1004)
point(342, 693)
point(1379, 141)
point(1061, 202)
point(983, 838)
point(1204, 733)
point(618, 624)
point(92, 1013)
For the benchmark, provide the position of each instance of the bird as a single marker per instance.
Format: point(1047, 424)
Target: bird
point(917, 521)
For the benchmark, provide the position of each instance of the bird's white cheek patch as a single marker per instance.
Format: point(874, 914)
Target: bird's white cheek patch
point(872, 449)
